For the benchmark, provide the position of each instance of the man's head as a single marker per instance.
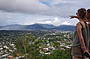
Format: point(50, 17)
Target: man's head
point(81, 13)
point(88, 14)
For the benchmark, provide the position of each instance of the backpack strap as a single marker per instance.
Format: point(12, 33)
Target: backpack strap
point(84, 25)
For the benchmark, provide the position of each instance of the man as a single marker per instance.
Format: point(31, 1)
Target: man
point(81, 42)
point(88, 19)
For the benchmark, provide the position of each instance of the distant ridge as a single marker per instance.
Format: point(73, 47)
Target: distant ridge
point(65, 28)
point(38, 27)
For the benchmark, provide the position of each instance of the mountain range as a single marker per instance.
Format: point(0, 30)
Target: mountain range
point(38, 27)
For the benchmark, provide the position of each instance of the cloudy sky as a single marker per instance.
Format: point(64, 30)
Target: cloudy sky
point(28, 12)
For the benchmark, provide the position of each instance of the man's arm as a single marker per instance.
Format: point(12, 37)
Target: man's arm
point(74, 17)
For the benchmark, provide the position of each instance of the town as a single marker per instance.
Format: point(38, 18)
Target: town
point(35, 44)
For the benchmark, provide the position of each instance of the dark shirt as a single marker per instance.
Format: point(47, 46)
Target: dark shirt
point(89, 28)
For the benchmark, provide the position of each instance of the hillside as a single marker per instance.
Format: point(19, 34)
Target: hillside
point(38, 27)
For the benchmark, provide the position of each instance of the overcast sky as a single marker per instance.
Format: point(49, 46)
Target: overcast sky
point(28, 12)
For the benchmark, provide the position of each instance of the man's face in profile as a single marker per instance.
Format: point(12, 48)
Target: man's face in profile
point(88, 16)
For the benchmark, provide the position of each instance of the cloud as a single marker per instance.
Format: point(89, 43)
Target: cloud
point(55, 12)
point(66, 23)
point(8, 18)
point(22, 5)
point(61, 8)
